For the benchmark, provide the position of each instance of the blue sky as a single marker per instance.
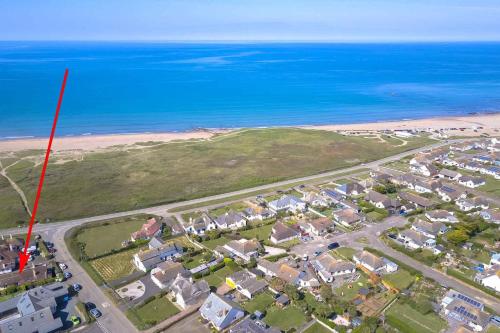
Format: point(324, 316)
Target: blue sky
point(333, 20)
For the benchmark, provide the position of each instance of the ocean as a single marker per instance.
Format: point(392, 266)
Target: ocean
point(156, 87)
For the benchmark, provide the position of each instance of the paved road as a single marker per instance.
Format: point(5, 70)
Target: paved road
point(112, 320)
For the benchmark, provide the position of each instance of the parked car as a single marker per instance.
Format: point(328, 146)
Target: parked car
point(62, 266)
point(77, 287)
point(317, 253)
point(75, 320)
point(333, 245)
point(67, 275)
point(89, 306)
point(95, 313)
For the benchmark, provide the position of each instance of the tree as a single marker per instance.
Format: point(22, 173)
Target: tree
point(326, 292)
point(277, 284)
point(293, 292)
point(380, 189)
point(457, 237)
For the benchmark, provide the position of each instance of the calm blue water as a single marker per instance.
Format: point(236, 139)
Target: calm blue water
point(123, 88)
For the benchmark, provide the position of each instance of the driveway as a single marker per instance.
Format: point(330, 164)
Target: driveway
point(189, 324)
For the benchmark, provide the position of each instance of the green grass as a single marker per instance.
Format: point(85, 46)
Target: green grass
point(493, 329)
point(216, 278)
point(408, 320)
point(111, 181)
point(347, 294)
point(286, 318)
point(235, 206)
point(261, 302)
point(115, 266)
point(317, 328)
point(213, 243)
point(261, 233)
point(152, 313)
point(107, 236)
point(197, 260)
point(344, 252)
point(12, 213)
point(400, 279)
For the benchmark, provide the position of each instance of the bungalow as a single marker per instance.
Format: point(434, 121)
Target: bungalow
point(145, 260)
point(471, 182)
point(472, 166)
point(155, 242)
point(427, 170)
point(405, 180)
point(151, 228)
point(166, 272)
point(450, 193)
point(492, 171)
point(287, 270)
point(470, 204)
point(188, 292)
point(246, 283)
point(230, 220)
point(492, 281)
point(372, 262)
point(491, 215)
point(484, 159)
point(249, 325)
point(381, 200)
point(419, 201)
point(315, 200)
point(220, 312)
point(450, 162)
point(200, 225)
point(244, 248)
point(465, 309)
point(331, 196)
point(327, 267)
point(252, 215)
point(462, 146)
point(441, 216)
point(350, 189)
point(347, 217)
point(429, 229)
point(426, 187)
point(288, 203)
point(449, 174)
point(416, 240)
point(283, 233)
point(495, 259)
point(319, 227)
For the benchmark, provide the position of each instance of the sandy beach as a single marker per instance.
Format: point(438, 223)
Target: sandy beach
point(489, 123)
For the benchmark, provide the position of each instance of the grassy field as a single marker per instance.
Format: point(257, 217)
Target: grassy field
point(400, 279)
point(286, 318)
point(213, 243)
point(317, 328)
point(344, 252)
point(12, 212)
point(216, 278)
point(260, 302)
point(115, 266)
point(105, 237)
point(408, 320)
point(152, 313)
point(120, 180)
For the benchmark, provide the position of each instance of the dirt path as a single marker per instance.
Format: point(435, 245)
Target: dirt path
point(3, 172)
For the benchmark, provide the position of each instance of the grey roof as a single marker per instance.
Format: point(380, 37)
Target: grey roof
point(448, 173)
point(155, 242)
point(416, 199)
point(252, 326)
point(191, 292)
point(281, 231)
point(216, 308)
point(248, 281)
point(432, 228)
point(285, 201)
point(229, 218)
point(474, 180)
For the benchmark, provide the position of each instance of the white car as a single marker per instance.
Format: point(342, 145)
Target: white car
point(62, 266)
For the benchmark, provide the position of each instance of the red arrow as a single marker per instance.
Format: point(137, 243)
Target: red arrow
point(23, 256)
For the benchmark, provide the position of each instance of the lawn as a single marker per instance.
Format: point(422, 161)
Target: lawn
point(236, 206)
point(375, 216)
point(260, 302)
point(400, 279)
point(152, 313)
point(348, 291)
point(286, 318)
point(317, 328)
point(213, 243)
point(115, 266)
point(408, 320)
point(196, 261)
point(116, 180)
point(345, 252)
point(103, 238)
point(261, 233)
point(216, 278)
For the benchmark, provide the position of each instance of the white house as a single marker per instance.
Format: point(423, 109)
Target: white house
point(449, 174)
point(166, 272)
point(244, 248)
point(369, 261)
point(230, 220)
point(220, 311)
point(415, 240)
point(188, 292)
point(199, 226)
point(470, 204)
point(471, 182)
point(441, 216)
point(429, 229)
point(282, 233)
point(288, 203)
point(492, 281)
point(145, 260)
point(327, 267)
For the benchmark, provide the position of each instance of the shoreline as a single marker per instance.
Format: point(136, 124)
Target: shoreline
point(473, 125)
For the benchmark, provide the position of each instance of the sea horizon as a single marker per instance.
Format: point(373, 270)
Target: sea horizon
point(157, 87)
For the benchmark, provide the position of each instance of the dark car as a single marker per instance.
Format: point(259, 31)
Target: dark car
point(333, 245)
point(95, 313)
point(89, 306)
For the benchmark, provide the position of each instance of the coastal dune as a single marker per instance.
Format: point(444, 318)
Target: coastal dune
point(472, 125)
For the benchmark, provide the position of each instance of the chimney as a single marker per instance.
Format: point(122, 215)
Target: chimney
point(10, 236)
